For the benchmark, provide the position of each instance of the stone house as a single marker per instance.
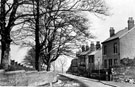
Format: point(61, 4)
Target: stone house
point(119, 45)
point(95, 57)
point(74, 66)
point(90, 58)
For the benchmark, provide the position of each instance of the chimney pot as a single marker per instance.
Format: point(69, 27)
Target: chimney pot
point(98, 45)
point(112, 31)
point(92, 46)
point(87, 47)
point(83, 48)
point(130, 23)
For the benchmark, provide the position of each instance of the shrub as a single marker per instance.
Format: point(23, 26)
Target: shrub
point(127, 62)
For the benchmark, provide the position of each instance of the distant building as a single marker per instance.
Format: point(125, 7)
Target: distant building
point(95, 57)
point(119, 45)
point(90, 58)
point(73, 67)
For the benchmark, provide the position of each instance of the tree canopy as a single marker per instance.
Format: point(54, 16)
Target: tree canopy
point(55, 27)
point(62, 26)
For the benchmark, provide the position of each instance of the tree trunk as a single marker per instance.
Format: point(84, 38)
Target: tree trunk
point(37, 37)
point(48, 67)
point(62, 69)
point(5, 38)
point(5, 61)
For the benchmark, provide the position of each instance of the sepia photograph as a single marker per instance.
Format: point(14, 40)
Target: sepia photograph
point(67, 43)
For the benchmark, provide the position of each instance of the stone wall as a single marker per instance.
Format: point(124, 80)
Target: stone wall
point(17, 66)
point(26, 78)
point(124, 74)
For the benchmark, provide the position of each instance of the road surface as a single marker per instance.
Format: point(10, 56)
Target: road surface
point(87, 82)
point(68, 80)
point(74, 81)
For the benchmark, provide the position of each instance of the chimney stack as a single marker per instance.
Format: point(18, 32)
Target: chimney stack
point(112, 31)
point(130, 23)
point(87, 47)
point(92, 47)
point(83, 48)
point(98, 45)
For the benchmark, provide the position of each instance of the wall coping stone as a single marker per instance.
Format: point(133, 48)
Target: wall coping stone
point(15, 72)
point(27, 72)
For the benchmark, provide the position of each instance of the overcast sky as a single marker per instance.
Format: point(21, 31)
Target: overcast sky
point(120, 11)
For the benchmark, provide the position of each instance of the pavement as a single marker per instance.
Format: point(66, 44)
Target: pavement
point(118, 84)
point(96, 83)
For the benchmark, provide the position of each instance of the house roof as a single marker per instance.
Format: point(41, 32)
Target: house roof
point(89, 52)
point(94, 52)
point(118, 34)
point(85, 52)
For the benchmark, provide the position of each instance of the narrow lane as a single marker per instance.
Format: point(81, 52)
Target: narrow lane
point(64, 81)
point(87, 82)
point(69, 82)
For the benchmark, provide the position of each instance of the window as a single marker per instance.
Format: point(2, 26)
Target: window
point(105, 63)
point(105, 50)
point(82, 58)
point(115, 61)
point(91, 59)
point(115, 48)
point(110, 62)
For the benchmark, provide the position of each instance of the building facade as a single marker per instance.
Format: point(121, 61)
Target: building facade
point(90, 59)
point(119, 45)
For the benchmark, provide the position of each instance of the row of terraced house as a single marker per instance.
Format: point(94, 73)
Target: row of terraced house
point(118, 46)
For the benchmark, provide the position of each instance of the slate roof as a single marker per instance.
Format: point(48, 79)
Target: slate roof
point(94, 52)
point(117, 35)
point(85, 52)
point(90, 52)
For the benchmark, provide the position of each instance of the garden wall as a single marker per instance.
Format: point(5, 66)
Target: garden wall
point(26, 78)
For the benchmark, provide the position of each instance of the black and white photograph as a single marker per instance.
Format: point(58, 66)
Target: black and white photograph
point(67, 43)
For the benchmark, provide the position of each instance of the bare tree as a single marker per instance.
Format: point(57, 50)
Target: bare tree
point(54, 66)
point(62, 27)
point(11, 15)
point(37, 37)
point(29, 59)
point(62, 63)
